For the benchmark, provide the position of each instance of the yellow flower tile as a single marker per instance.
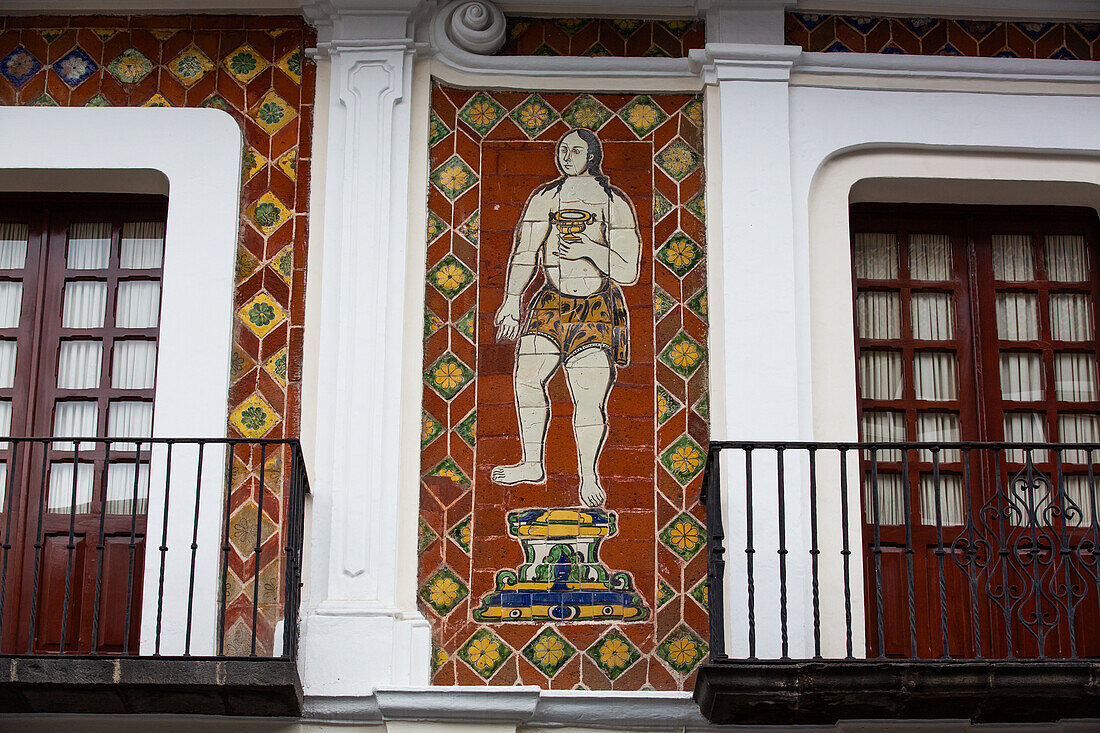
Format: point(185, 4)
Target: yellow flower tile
point(268, 213)
point(244, 63)
point(157, 100)
point(276, 366)
point(272, 112)
point(288, 163)
point(283, 263)
point(253, 162)
point(261, 314)
point(291, 64)
point(254, 418)
point(190, 65)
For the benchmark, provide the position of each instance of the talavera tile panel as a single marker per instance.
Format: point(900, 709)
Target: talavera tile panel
point(539, 579)
point(943, 36)
point(253, 68)
point(620, 37)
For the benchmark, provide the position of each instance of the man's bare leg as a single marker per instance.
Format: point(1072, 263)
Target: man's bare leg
point(536, 359)
point(590, 375)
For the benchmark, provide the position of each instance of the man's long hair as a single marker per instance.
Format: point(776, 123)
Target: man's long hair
point(593, 168)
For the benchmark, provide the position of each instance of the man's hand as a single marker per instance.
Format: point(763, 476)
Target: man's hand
point(507, 320)
point(586, 248)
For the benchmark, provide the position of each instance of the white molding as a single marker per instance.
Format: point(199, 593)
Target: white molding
point(1048, 10)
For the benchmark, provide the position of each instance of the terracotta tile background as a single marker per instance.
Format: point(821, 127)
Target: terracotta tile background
point(265, 395)
point(943, 37)
point(601, 37)
point(653, 409)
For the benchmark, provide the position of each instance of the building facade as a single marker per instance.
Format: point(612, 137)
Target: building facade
point(505, 365)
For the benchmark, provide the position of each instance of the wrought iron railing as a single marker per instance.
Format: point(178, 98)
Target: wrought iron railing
point(163, 547)
point(903, 550)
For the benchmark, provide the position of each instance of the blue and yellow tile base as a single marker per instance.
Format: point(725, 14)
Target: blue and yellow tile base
point(562, 578)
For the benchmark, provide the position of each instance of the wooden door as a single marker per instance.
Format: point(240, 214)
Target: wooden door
point(75, 514)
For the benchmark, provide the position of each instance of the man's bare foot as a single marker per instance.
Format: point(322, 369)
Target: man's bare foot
point(518, 473)
point(592, 494)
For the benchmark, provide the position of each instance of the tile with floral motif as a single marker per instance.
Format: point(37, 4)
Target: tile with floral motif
point(678, 160)
point(684, 536)
point(549, 652)
point(642, 115)
point(613, 653)
point(482, 113)
point(430, 428)
point(683, 650)
point(683, 354)
point(679, 253)
point(460, 533)
point(586, 112)
point(467, 429)
point(443, 591)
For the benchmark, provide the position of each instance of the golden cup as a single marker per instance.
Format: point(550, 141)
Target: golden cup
point(571, 221)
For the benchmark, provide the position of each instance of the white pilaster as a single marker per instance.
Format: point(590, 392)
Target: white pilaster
point(357, 633)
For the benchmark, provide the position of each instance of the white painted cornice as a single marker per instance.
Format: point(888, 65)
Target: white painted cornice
point(720, 62)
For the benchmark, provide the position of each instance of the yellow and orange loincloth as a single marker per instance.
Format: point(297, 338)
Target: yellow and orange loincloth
point(576, 322)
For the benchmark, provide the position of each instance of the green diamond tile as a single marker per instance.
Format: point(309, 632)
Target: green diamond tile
point(52, 34)
point(216, 101)
point(626, 26)
point(467, 323)
point(693, 110)
point(484, 652)
point(698, 304)
point(656, 52)
point(467, 429)
point(425, 536)
point(596, 49)
point(436, 227)
point(701, 594)
point(642, 115)
point(482, 113)
point(448, 375)
point(432, 323)
point(684, 536)
point(586, 111)
point(443, 591)
point(447, 468)
point(437, 129)
point(683, 354)
point(549, 652)
point(517, 28)
point(533, 115)
point(684, 459)
point(698, 206)
point(450, 277)
point(430, 428)
point(702, 406)
point(43, 100)
point(98, 101)
point(667, 405)
point(677, 27)
point(571, 25)
point(130, 66)
point(439, 658)
point(544, 50)
point(662, 303)
point(664, 593)
point(454, 177)
point(460, 533)
point(682, 650)
point(613, 653)
point(680, 254)
point(471, 228)
point(678, 160)
point(661, 206)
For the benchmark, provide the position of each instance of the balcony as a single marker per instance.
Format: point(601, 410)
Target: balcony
point(150, 575)
point(902, 580)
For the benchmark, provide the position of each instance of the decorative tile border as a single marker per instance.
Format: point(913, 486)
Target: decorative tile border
point(621, 37)
point(943, 37)
point(252, 67)
point(652, 463)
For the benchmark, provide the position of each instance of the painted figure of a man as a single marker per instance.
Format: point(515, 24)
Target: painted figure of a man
point(583, 232)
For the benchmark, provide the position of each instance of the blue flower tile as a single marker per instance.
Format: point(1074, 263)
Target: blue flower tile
point(75, 66)
point(19, 66)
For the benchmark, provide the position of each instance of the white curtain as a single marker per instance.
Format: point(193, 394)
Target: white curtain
point(1025, 427)
point(120, 488)
point(11, 301)
point(876, 256)
point(3, 486)
point(129, 419)
point(1067, 258)
point(1021, 376)
point(75, 419)
point(79, 364)
point(883, 426)
point(952, 500)
point(142, 245)
point(1076, 427)
point(59, 499)
point(134, 364)
point(1013, 257)
point(878, 315)
point(891, 499)
point(933, 316)
point(934, 376)
point(1070, 317)
point(929, 257)
point(138, 304)
point(5, 421)
point(89, 246)
point(85, 304)
point(1075, 377)
point(13, 245)
point(938, 427)
point(880, 375)
point(1077, 490)
point(8, 351)
point(1017, 316)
